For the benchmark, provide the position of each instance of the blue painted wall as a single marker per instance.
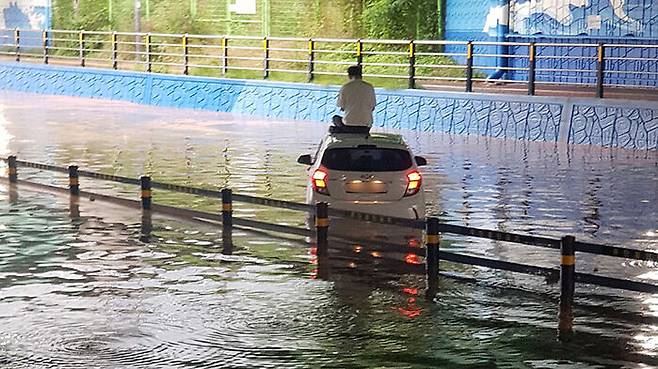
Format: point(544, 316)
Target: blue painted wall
point(475, 19)
point(30, 16)
point(601, 18)
point(611, 123)
point(563, 21)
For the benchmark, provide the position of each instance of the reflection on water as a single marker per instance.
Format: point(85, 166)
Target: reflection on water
point(86, 284)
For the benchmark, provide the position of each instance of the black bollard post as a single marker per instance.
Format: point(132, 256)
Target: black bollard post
point(13, 193)
point(146, 192)
point(12, 170)
point(44, 40)
point(411, 83)
point(432, 257)
point(146, 226)
point(17, 43)
point(147, 50)
point(469, 67)
point(227, 221)
point(322, 228)
point(186, 55)
point(266, 58)
point(567, 286)
point(532, 64)
point(74, 207)
point(115, 51)
point(74, 181)
point(81, 48)
point(359, 52)
point(224, 55)
point(311, 60)
point(600, 69)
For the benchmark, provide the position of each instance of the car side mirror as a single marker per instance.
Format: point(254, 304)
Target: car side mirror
point(305, 159)
point(420, 161)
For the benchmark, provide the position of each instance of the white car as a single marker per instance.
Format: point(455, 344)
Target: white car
point(371, 173)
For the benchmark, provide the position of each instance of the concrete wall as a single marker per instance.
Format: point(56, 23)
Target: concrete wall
point(612, 123)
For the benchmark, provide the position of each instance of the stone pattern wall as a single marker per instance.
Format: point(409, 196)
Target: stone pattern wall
point(615, 126)
point(609, 123)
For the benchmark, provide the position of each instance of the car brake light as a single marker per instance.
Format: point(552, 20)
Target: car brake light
point(414, 181)
point(319, 181)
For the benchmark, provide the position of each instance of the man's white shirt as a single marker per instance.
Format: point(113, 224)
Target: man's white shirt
point(357, 100)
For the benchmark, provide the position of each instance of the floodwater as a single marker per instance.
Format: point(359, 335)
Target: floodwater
point(86, 289)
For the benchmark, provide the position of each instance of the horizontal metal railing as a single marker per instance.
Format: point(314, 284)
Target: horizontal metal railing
point(567, 245)
point(529, 240)
point(409, 62)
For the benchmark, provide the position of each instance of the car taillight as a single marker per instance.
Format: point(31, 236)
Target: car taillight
point(414, 181)
point(319, 181)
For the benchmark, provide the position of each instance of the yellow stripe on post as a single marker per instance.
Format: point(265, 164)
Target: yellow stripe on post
point(227, 207)
point(433, 239)
point(569, 260)
point(146, 193)
point(322, 222)
point(11, 171)
point(600, 52)
point(73, 182)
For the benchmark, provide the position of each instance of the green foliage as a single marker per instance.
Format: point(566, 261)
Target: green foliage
point(391, 19)
point(373, 19)
point(400, 19)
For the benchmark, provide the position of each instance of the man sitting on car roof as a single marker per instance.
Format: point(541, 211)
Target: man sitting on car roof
point(357, 100)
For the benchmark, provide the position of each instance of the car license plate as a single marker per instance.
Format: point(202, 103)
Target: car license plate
point(365, 187)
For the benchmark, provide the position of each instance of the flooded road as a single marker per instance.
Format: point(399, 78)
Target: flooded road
point(87, 292)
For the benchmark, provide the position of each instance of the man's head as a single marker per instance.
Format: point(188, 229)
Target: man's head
point(354, 72)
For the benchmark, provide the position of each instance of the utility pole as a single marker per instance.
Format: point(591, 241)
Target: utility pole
point(265, 18)
point(440, 15)
point(193, 8)
point(138, 28)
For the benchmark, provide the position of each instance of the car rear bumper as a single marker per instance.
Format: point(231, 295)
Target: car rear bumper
point(412, 207)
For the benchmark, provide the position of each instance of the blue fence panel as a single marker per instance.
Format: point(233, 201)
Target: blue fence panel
point(578, 64)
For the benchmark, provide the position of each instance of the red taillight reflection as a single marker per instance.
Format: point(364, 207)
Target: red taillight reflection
point(414, 182)
point(319, 181)
point(412, 259)
point(410, 291)
point(413, 242)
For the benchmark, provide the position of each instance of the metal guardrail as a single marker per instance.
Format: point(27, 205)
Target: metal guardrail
point(567, 245)
point(416, 61)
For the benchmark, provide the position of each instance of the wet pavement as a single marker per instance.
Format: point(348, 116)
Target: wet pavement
point(90, 291)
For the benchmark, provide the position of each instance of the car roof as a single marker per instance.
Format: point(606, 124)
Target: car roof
point(389, 140)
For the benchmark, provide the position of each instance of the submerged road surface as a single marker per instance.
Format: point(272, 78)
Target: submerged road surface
point(88, 290)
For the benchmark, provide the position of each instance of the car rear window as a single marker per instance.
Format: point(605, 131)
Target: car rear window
point(369, 159)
